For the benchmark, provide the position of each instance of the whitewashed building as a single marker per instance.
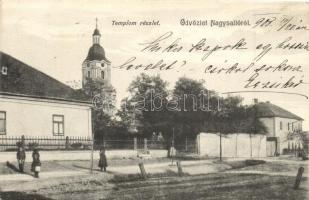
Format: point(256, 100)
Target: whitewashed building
point(281, 125)
point(34, 104)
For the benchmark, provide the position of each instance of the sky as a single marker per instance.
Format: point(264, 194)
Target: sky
point(55, 36)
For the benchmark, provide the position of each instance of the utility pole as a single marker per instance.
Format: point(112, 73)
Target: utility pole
point(220, 147)
point(92, 148)
point(220, 132)
point(172, 150)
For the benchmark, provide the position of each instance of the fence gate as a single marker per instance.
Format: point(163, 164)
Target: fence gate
point(271, 146)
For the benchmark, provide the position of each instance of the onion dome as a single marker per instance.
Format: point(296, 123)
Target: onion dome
point(96, 32)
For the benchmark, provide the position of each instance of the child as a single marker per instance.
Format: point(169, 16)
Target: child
point(36, 163)
point(21, 157)
point(102, 161)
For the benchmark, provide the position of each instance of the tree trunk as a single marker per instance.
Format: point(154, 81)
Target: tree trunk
point(236, 145)
point(220, 147)
point(250, 145)
point(259, 147)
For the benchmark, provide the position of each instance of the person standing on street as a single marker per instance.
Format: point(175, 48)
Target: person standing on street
point(36, 163)
point(21, 157)
point(102, 161)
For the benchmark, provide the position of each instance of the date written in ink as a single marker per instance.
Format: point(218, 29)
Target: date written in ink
point(281, 23)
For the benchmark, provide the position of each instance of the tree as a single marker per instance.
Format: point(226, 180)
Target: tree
point(101, 119)
point(147, 104)
point(189, 117)
point(254, 125)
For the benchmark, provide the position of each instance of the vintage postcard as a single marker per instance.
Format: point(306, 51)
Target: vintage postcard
point(146, 99)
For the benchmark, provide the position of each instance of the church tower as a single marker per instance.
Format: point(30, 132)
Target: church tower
point(96, 66)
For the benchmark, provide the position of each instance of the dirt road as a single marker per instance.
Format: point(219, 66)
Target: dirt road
point(206, 179)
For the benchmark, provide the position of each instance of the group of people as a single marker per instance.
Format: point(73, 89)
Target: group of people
point(36, 163)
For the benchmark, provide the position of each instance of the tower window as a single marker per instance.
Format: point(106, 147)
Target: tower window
point(4, 70)
point(88, 75)
point(102, 64)
point(102, 74)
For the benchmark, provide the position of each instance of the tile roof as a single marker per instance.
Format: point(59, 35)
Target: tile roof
point(265, 109)
point(23, 80)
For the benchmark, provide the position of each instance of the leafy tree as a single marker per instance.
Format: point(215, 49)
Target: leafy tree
point(254, 125)
point(147, 104)
point(102, 121)
point(189, 118)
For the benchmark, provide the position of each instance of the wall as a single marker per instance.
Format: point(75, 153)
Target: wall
point(30, 117)
point(80, 155)
point(233, 145)
point(283, 133)
point(273, 126)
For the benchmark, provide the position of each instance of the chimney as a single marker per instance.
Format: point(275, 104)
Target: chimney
point(255, 101)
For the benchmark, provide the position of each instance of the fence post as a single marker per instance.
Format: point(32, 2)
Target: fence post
point(135, 143)
point(23, 141)
point(298, 177)
point(145, 144)
point(67, 142)
point(143, 171)
point(180, 173)
point(198, 139)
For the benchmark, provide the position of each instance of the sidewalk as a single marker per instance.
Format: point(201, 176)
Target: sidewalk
point(79, 155)
point(191, 167)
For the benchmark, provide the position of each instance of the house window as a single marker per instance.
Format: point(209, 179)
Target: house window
point(4, 70)
point(58, 125)
point(102, 74)
point(280, 125)
point(288, 126)
point(2, 123)
point(88, 75)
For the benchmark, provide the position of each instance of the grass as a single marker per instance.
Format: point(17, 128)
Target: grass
point(213, 186)
point(169, 185)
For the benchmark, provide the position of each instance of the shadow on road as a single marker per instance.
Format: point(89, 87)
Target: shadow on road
point(12, 167)
point(81, 167)
point(15, 169)
point(21, 195)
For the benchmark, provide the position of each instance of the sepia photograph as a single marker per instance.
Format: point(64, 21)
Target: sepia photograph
point(154, 100)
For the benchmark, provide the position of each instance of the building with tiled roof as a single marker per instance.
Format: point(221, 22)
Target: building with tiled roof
point(35, 104)
point(280, 123)
point(267, 109)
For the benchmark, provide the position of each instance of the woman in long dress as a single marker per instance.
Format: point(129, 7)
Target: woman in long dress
point(102, 161)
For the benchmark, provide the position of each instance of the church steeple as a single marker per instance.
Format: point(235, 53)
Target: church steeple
point(97, 67)
point(96, 34)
